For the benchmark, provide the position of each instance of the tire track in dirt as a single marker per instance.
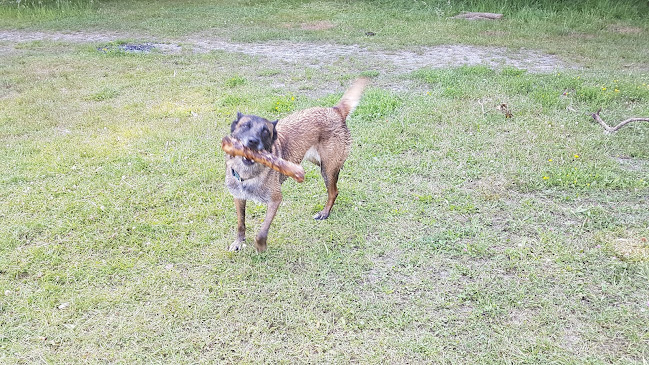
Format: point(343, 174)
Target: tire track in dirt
point(318, 55)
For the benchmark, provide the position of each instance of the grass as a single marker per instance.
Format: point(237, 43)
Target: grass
point(459, 235)
point(597, 33)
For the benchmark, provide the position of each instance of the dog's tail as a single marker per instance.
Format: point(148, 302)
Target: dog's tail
point(352, 97)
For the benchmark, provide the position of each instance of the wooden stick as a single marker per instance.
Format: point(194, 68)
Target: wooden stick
point(610, 129)
point(235, 148)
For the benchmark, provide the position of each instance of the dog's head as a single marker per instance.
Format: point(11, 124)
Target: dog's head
point(254, 132)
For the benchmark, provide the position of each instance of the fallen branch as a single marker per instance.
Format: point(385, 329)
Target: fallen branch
point(610, 129)
point(478, 16)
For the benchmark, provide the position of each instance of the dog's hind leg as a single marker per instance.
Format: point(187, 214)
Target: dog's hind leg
point(241, 225)
point(271, 210)
point(330, 174)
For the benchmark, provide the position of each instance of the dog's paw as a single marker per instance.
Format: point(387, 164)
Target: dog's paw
point(321, 216)
point(236, 246)
point(260, 244)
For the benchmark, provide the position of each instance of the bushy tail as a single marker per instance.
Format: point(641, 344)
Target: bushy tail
point(352, 97)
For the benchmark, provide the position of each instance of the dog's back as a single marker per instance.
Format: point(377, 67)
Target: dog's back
point(310, 133)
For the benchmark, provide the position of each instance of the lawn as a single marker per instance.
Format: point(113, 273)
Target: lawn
point(460, 235)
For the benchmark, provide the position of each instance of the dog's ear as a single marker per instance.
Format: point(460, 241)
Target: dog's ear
point(234, 124)
point(275, 129)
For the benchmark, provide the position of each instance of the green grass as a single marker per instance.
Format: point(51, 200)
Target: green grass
point(459, 235)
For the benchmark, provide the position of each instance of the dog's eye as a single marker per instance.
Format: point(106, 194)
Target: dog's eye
point(264, 132)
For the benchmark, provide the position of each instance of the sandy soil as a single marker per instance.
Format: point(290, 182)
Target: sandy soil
point(317, 54)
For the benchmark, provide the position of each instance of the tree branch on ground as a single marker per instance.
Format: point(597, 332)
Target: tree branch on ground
point(478, 16)
point(610, 129)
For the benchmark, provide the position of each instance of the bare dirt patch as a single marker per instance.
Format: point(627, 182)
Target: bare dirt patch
point(624, 29)
point(319, 25)
point(491, 187)
point(632, 164)
point(324, 54)
point(18, 36)
point(399, 60)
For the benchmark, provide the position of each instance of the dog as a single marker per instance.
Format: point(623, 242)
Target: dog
point(318, 134)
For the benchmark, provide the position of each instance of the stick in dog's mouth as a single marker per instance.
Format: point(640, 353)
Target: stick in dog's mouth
point(234, 147)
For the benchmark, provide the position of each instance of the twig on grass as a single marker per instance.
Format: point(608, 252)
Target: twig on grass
point(610, 129)
point(481, 105)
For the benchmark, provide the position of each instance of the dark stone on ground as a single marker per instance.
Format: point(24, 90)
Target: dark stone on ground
point(128, 47)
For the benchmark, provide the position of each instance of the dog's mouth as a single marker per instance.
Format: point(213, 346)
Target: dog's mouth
point(247, 162)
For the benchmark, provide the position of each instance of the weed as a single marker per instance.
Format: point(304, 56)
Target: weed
point(235, 81)
point(233, 100)
point(283, 104)
point(102, 95)
point(370, 73)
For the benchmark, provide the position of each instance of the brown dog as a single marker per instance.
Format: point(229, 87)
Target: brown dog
point(318, 134)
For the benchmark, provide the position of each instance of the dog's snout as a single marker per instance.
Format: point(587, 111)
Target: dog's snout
point(254, 143)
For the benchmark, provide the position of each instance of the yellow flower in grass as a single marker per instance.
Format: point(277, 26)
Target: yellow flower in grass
point(604, 89)
point(576, 156)
point(545, 177)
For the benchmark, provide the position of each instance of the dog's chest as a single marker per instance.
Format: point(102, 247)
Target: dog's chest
point(251, 189)
point(246, 187)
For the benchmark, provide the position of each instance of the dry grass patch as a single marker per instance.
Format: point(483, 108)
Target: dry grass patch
point(319, 25)
point(631, 249)
point(627, 245)
point(315, 25)
point(624, 29)
point(495, 33)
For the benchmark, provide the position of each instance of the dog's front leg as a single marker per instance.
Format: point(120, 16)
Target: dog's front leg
point(260, 241)
point(241, 225)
